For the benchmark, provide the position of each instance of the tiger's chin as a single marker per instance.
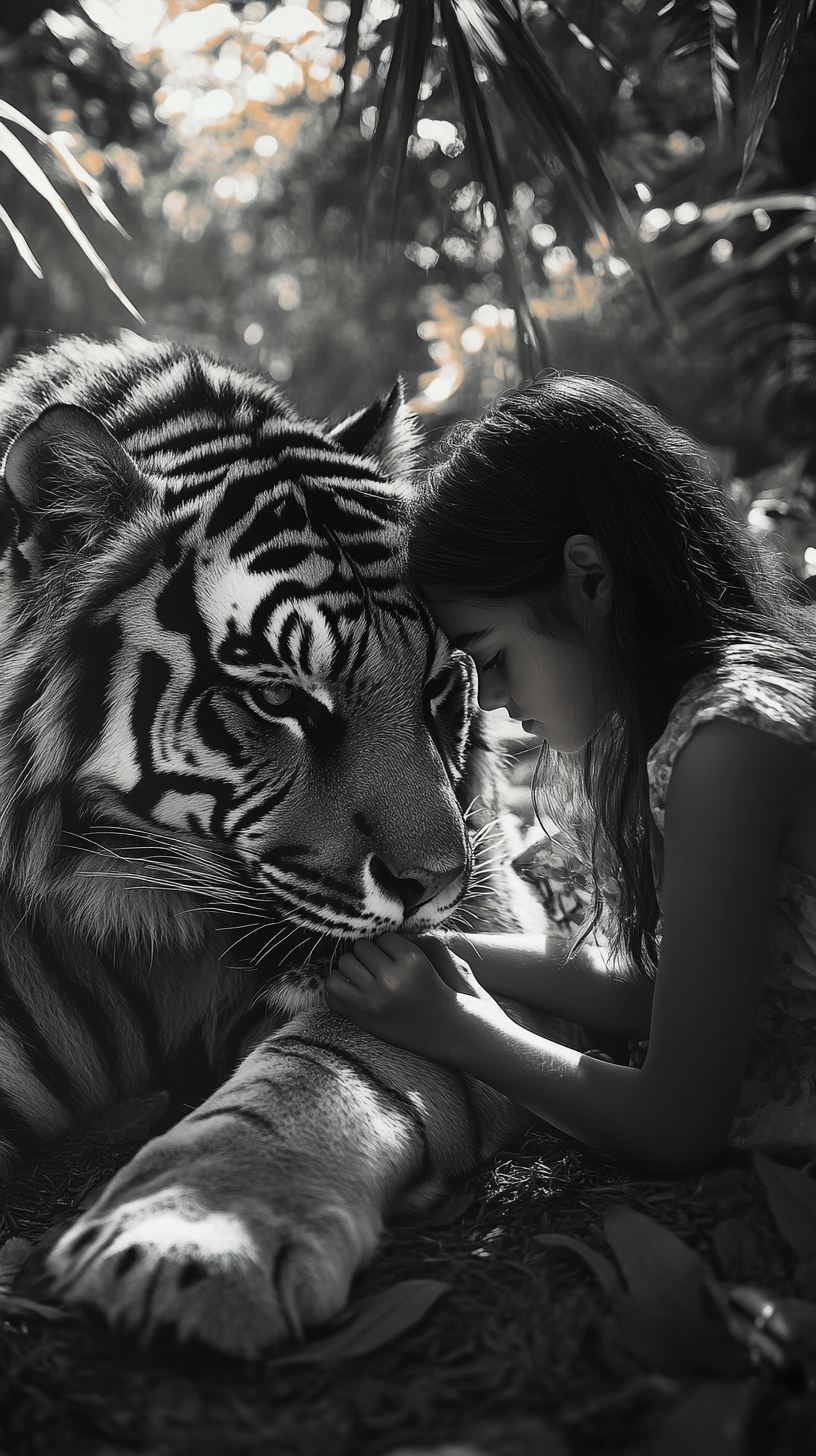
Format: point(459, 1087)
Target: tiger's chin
point(298, 987)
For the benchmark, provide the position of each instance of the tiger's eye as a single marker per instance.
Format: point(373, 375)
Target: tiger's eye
point(276, 694)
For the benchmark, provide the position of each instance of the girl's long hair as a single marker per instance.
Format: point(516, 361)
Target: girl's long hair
point(691, 589)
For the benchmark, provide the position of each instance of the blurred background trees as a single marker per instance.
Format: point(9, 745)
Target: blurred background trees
point(211, 129)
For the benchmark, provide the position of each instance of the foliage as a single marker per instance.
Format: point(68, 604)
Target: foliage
point(245, 176)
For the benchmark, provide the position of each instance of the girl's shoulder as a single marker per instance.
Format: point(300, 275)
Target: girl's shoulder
point(772, 690)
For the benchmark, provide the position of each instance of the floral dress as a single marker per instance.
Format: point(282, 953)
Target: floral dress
point(777, 1105)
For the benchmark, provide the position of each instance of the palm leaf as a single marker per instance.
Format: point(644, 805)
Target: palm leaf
point(776, 53)
point(28, 168)
point(590, 42)
point(487, 167)
point(20, 243)
point(537, 99)
point(489, 38)
point(89, 186)
point(351, 46)
point(413, 34)
point(702, 25)
point(719, 215)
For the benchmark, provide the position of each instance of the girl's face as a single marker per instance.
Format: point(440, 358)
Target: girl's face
point(557, 688)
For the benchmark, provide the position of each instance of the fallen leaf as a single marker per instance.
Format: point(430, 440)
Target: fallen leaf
point(792, 1197)
point(601, 1267)
point(738, 1248)
point(370, 1323)
point(625, 1403)
point(13, 1255)
point(712, 1421)
point(659, 1336)
point(18, 1304)
point(729, 1189)
point(805, 1279)
point(655, 1263)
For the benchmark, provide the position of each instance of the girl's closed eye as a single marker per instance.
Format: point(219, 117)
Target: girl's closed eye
point(494, 662)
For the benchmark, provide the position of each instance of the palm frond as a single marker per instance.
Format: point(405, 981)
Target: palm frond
point(534, 94)
point(20, 243)
point(590, 42)
point(487, 168)
point(351, 47)
point(703, 25)
point(491, 53)
point(719, 215)
point(30, 169)
point(736, 311)
point(788, 18)
point(413, 34)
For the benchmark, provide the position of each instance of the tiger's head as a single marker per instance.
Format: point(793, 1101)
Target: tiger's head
point(216, 688)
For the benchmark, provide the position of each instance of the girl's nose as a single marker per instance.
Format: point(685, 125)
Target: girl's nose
point(491, 696)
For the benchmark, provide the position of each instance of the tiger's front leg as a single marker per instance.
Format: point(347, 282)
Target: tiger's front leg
point(246, 1223)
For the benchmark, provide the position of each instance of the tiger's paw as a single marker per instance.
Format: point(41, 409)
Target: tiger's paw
point(235, 1273)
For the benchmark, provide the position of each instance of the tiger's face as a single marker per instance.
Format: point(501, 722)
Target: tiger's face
point(302, 714)
point(235, 675)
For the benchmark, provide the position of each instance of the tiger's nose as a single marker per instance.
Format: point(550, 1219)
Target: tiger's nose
point(413, 887)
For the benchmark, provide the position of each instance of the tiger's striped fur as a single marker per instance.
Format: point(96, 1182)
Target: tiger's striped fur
point(229, 740)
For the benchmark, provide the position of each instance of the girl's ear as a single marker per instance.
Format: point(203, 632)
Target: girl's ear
point(386, 430)
point(588, 574)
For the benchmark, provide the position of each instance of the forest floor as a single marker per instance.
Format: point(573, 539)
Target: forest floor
point(524, 1354)
point(532, 1347)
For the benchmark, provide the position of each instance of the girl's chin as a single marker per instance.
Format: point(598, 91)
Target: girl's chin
point(531, 726)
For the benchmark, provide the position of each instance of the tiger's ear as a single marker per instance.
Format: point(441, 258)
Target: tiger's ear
point(67, 480)
point(386, 430)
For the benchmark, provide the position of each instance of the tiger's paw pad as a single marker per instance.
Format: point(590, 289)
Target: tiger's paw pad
point(238, 1280)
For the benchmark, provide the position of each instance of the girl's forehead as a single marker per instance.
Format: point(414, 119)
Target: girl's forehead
point(470, 621)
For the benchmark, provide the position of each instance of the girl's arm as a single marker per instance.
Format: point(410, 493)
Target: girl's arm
point(732, 794)
point(539, 971)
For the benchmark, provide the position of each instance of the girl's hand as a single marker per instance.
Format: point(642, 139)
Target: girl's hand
point(408, 994)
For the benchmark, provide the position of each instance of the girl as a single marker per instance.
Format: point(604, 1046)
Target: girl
point(573, 544)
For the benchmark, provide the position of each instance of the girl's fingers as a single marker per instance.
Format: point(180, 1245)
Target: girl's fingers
point(351, 968)
point(345, 991)
point(455, 972)
point(394, 945)
point(369, 955)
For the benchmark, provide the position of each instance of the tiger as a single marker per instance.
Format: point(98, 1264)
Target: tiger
point(231, 741)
